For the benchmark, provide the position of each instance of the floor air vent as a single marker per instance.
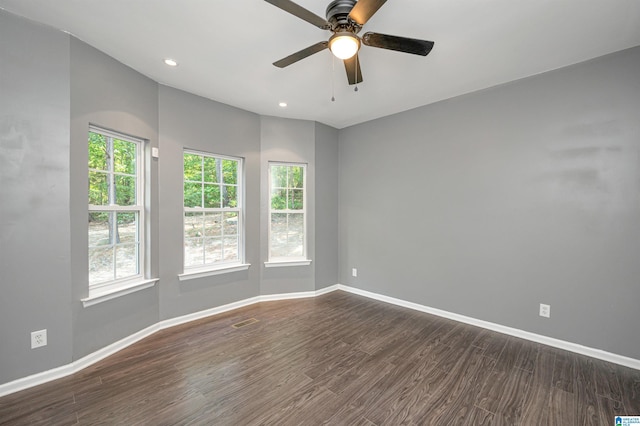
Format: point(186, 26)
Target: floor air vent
point(245, 323)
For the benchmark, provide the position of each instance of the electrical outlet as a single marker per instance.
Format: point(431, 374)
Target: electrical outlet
point(38, 338)
point(545, 310)
point(354, 272)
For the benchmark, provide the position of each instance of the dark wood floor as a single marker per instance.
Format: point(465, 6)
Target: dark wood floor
point(337, 359)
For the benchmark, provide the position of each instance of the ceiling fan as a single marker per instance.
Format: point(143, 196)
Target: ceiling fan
point(345, 19)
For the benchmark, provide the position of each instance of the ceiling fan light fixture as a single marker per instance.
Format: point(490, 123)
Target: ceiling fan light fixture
point(344, 45)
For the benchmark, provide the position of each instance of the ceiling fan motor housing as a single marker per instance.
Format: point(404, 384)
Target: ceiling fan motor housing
point(338, 16)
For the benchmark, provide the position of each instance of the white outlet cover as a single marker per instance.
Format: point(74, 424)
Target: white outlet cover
point(354, 272)
point(545, 310)
point(38, 338)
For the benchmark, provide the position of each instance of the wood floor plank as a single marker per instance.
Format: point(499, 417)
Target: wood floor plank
point(493, 344)
point(608, 409)
point(562, 407)
point(337, 359)
point(536, 407)
point(455, 400)
point(527, 356)
point(630, 384)
point(585, 389)
point(479, 417)
point(607, 380)
point(564, 371)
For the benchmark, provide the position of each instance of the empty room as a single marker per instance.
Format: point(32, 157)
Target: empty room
point(315, 212)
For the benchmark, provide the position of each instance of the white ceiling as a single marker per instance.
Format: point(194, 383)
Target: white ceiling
point(225, 49)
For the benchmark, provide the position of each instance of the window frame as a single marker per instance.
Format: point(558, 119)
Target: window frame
point(273, 261)
point(99, 290)
point(222, 266)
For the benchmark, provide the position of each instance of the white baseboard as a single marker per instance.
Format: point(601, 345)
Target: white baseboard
point(545, 340)
point(65, 370)
point(92, 358)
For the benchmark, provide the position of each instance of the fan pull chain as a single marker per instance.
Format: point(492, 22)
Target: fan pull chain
point(333, 83)
point(356, 76)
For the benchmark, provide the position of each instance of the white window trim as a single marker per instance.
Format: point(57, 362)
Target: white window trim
point(116, 290)
point(222, 267)
point(207, 272)
point(108, 290)
point(282, 263)
point(288, 261)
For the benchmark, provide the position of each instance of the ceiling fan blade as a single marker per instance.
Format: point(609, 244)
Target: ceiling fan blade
point(354, 72)
point(285, 62)
point(401, 44)
point(300, 12)
point(364, 10)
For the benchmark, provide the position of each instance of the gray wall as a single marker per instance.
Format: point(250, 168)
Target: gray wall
point(491, 203)
point(326, 201)
point(34, 198)
point(52, 88)
point(108, 94)
point(293, 141)
point(192, 122)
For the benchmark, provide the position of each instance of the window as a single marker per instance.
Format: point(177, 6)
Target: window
point(213, 219)
point(287, 213)
point(116, 208)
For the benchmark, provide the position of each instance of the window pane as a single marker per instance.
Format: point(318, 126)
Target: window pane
point(124, 156)
point(97, 151)
point(99, 229)
point(192, 167)
point(126, 260)
point(295, 199)
point(125, 190)
point(101, 264)
point(213, 250)
point(295, 245)
point(193, 224)
point(114, 180)
point(230, 171)
point(211, 167)
point(295, 177)
point(192, 194)
point(278, 176)
point(279, 248)
point(278, 199)
point(98, 189)
point(295, 234)
point(296, 223)
point(218, 188)
point(213, 224)
point(231, 223)
point(229, 196)
point(193, 252)
point(127, 228)
point(211, 196)
point(230, 248)
point(278, 234)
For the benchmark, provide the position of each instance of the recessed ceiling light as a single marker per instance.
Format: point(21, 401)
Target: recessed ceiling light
point(282, 104)
point(171, 62)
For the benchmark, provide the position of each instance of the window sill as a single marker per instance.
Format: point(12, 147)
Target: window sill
point(209, 272)
point(103, 295)
point(283, 263)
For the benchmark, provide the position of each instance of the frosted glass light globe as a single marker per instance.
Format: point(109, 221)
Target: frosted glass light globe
point(344, 46)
